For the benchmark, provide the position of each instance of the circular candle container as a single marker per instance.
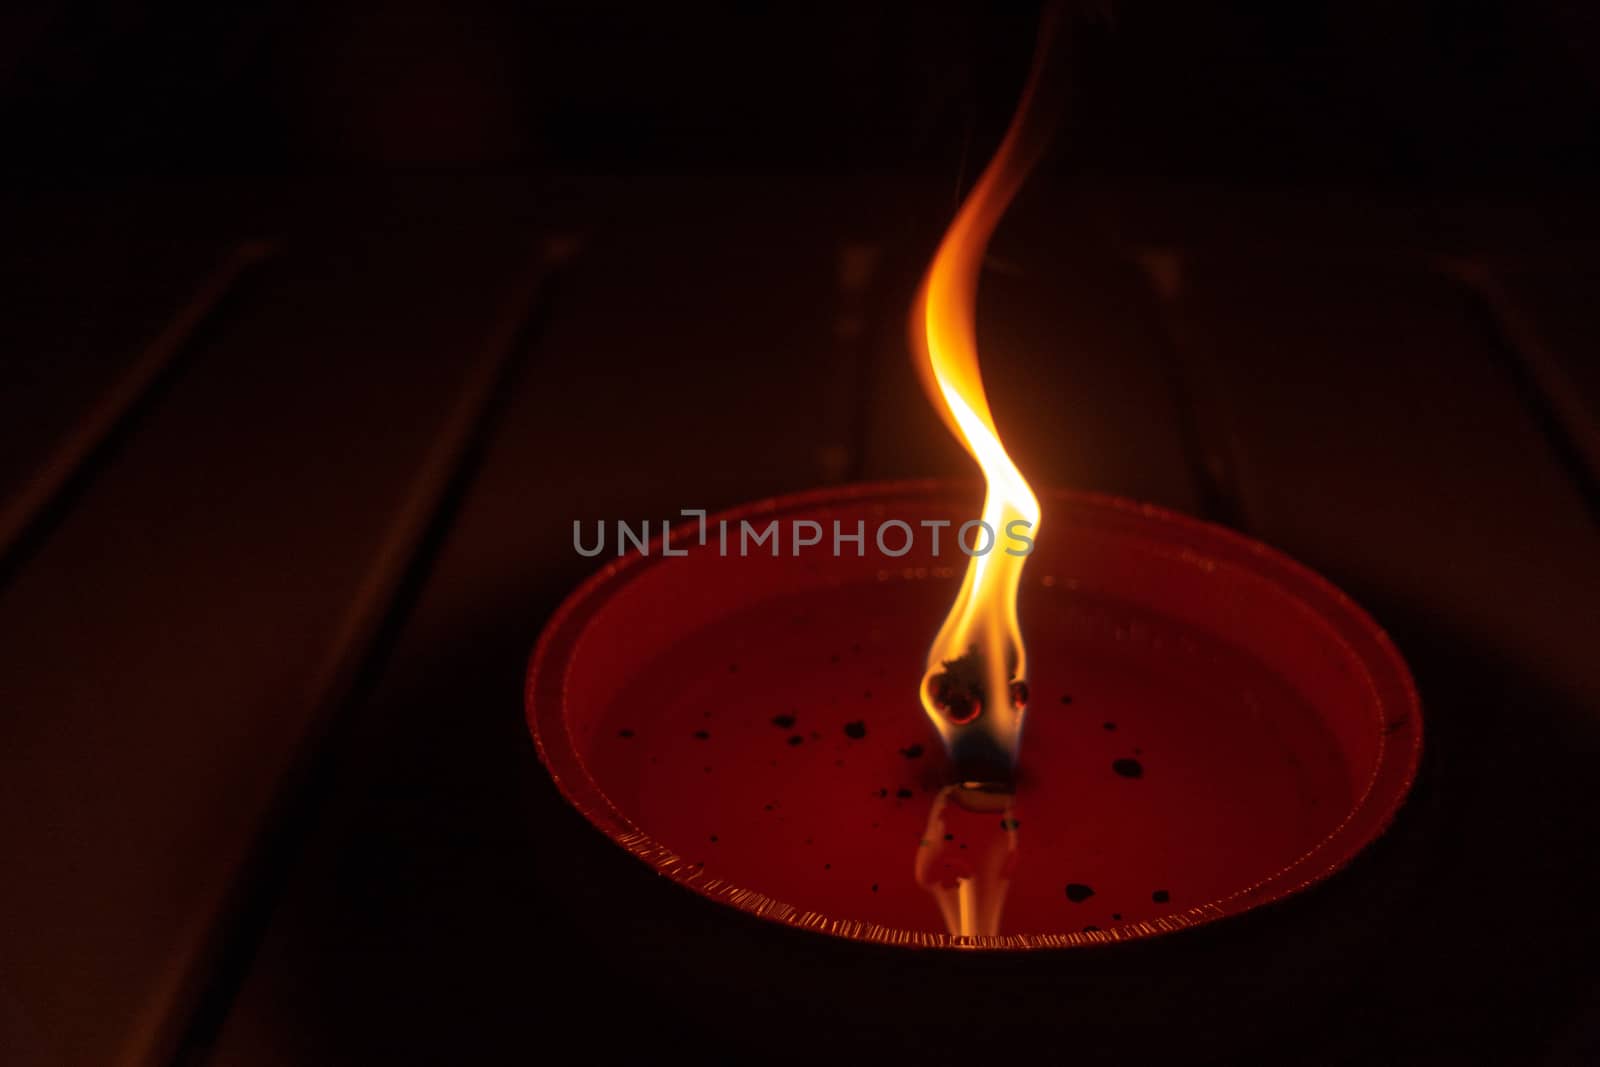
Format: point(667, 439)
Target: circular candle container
point(1210, 727)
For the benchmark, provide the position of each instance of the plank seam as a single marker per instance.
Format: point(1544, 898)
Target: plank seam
point(1212, 462)
point(186, 1019)
point(26, 519)
point(1541, 384)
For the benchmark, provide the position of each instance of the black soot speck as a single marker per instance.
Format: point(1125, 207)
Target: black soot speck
point(1117, 915)
point(1128, 768)
point(624, 733)
point(1091, 929)
point(797, 740)
point(783, 721)
point(1109, 725)
point(904, 794)
point(874, 887)
point(855, 731)
point(1160, 896)
point(949, 837)
point(911, 751)
point(1066, 699)
point(1009, 824)
point(703, 735)
point(1077, 892)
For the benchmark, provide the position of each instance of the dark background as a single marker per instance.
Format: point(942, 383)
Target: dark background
point(279, 533)
point(1408, 93)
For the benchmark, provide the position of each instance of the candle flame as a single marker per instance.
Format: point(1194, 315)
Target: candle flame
point(975, 688)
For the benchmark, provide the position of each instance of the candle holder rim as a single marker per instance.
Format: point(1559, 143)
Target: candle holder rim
point(1396, 766)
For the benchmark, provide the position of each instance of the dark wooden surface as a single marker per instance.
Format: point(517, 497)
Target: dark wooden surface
point(288, 478)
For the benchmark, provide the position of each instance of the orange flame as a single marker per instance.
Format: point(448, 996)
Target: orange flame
point(974, 689)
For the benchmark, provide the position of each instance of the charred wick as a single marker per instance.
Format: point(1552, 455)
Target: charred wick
point(960, 691)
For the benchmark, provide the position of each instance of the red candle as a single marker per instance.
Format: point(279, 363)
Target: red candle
point(1210, 727)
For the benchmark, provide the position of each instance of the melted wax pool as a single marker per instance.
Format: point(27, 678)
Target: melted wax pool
point(784, 749)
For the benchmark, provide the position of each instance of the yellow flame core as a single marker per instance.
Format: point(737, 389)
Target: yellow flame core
point(982, 625)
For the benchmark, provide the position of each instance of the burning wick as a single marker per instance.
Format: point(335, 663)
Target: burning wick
point(975, 687)
point(959, 691)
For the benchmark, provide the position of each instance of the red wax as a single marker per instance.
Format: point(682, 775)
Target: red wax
point(1210, 725)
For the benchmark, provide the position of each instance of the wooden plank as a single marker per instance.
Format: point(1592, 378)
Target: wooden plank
point(174, 644)
point(694, 359)
point(1547, 313)
point(1375, 431)
point(1378, 388)
point(1073, 360)
point(1277, 221)
point(1317, 224)
point(90, 327)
